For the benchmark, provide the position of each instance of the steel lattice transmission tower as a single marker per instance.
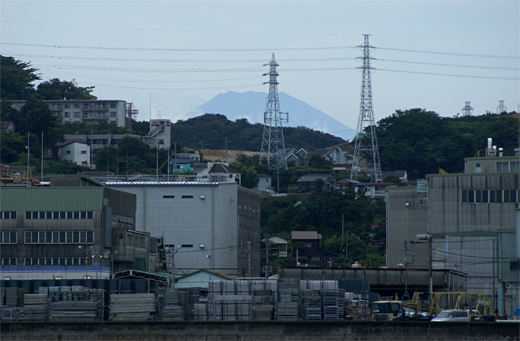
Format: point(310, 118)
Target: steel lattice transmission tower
point(272, 152)
point(366, 151)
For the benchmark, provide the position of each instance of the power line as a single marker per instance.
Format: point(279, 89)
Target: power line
point(449, 75)
point(182, 50)
point(451, 65)
point(450, 53)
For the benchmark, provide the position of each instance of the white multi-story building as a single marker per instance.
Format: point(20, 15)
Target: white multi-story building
point(75, 151)
point(89, 111)
point(221, 220)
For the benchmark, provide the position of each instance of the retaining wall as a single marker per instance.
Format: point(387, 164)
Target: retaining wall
point(255, 330)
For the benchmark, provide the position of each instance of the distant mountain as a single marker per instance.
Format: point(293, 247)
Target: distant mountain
point(251, 105)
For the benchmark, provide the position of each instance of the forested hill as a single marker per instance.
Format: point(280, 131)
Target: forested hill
point(211, 130)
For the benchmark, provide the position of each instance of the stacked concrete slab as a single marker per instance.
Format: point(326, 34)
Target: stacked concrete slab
point(133, 307)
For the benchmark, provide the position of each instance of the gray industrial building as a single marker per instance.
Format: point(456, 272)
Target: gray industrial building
point(70, 232)
point(462, 214)
point(219, 220)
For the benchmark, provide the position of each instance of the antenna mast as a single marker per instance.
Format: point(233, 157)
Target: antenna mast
point(272, 152)
point(365, 146)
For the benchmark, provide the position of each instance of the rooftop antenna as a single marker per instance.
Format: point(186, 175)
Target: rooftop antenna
point(366, 140)
point(272, 152)
point(467, 110)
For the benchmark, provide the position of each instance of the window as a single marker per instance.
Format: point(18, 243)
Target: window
point(83, 152)
point(8, 237)
point(187, 196)
point(112, 114)
point(8, 215)
point(9, 262)
point(77, 115)
point(83, 215)
point(90, 215)
point(67, 105)
point(187, 245)
point(113, 105)
point(168, 196)
point(76, 215)
point(308, 245)
point(66, 114)
point(514, 265)
point(68, 152)
point(76, 106)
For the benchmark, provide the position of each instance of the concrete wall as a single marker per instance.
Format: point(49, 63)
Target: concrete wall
point(242, 330)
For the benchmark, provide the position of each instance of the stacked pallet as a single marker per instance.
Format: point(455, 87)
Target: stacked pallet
point(173, 303)
point(36, 307)
point(232, 307)
point(200, 311)
point(138, 307)
point(330, 305)
point(287, 307)
point(311, 305)
point(14, 297)
point(74, 303)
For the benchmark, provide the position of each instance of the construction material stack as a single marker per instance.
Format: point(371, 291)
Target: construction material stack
point(172, 305)
point(287, 306)
point(133, 307)
point(36, 307)
point(74, 303)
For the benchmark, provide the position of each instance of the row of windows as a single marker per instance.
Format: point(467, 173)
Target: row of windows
point(508, 166)
point(45, 261)
point(55, 261)
point(59, 215)
point(490, 196)
point(8, 237)
point(137, 241)
point(85, 105)
point(186, 196)
point(59, 237)
point(8, 215)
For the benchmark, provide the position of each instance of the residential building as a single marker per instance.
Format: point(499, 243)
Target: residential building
point(159, 135)
point(277, 246)
point(311, 254)
point(219, 172)
point(89, 111)
point(220, 219)
point(373, 190)
point(8, 126)
point(75, 151)
point(345, 184)
point(306, 182)
point(69, 231)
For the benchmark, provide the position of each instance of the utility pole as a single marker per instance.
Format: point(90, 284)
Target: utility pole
point(272, 152)
point(365, 146)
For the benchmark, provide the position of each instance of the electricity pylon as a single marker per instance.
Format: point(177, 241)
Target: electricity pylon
point(366, 152)
point(272, 152)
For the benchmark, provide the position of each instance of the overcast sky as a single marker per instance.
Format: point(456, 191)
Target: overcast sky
point(176, 55)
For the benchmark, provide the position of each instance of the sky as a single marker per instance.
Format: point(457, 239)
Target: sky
point(168, 57)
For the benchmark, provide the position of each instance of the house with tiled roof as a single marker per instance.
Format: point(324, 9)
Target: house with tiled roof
point(311, 254)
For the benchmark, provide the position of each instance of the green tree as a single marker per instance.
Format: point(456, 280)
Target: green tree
point(55, 89)
point(12, 146)
point(317, 161)
point(16, 78)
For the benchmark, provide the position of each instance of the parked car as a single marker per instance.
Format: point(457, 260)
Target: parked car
point(454, 315)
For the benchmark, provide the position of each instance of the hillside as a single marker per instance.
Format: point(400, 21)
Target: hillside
point(211, 130)
point(251, 106)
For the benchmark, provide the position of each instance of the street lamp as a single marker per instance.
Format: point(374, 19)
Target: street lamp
point(112, 256)
point(209, 257)
point(171, 251)
point(87, 250)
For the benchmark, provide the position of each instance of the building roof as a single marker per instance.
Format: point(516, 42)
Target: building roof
point(6, 124)
point(67, 142)
point(52, 198)
point(222, 168)
point(313, 177)
point(305, 235)
point(213, 273)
